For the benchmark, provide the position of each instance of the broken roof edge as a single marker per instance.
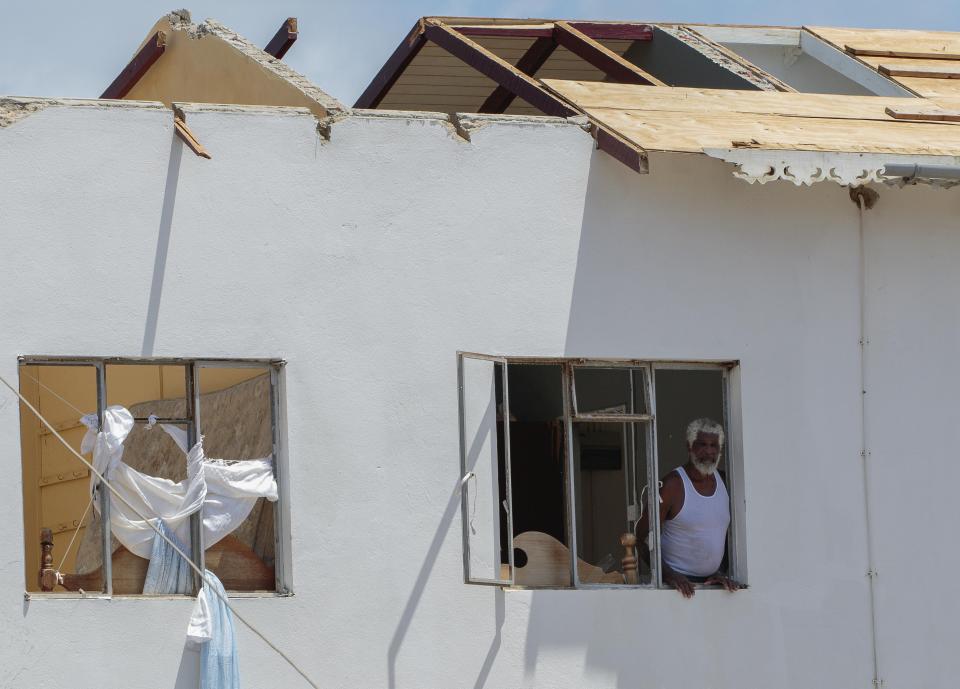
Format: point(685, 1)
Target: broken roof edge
point(16, 108)
point(277, 67)
point(181, 21)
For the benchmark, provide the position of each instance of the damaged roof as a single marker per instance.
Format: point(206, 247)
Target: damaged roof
point(181, 61)
point(718, 90)
point(690, 87)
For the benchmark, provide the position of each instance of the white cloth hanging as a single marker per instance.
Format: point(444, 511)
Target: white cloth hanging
point(226, 492)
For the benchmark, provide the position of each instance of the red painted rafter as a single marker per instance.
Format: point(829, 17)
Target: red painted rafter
point(508, 77)
point(614, 66)
point(629, 155)
point(283, 39)
point(497, 69)
point(595, 30)
point(529, 63)
point(393, 68)
point(137, 67)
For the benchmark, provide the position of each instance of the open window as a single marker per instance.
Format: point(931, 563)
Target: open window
point(78, 530)
point(561, 459)
point(485, 470)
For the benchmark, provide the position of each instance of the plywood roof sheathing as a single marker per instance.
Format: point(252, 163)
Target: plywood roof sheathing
point(923, 112)
point(691, 120)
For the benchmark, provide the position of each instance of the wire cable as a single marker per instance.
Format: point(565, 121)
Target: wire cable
point(173, 545)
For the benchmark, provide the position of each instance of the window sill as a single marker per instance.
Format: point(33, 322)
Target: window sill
point(99, 595)
point(615, 587)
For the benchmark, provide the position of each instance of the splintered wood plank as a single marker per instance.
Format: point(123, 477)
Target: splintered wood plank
point(948, 70)
point(923, 112)
point(690, 120)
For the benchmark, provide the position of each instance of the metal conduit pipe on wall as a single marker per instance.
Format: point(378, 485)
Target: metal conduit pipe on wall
point(909, 172)
point(864, 430)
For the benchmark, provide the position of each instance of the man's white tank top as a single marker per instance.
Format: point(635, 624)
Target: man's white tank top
point(693, 541)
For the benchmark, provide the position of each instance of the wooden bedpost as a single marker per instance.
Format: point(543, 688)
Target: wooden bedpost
point(629, 561)
point(48, 575)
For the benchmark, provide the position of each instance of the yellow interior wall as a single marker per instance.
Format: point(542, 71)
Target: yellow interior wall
point(55, 483)
point(210, 70)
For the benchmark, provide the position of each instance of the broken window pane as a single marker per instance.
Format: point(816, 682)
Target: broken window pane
point(236, 423)
point(152, 474)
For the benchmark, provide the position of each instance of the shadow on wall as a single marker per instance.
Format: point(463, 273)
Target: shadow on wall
point(423, 576)
point(163, 245)
point(188, 674)
point(636, 267)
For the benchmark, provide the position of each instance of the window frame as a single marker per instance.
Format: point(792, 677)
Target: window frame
point(192, 420)
point(733, 456)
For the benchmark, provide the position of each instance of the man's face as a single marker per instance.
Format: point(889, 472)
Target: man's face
point(705, 452)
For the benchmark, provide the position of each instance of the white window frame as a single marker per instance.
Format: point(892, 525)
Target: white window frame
point(733, 452)
point(192, 368)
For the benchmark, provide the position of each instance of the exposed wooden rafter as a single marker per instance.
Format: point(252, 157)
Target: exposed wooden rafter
point(137, 67)
point(284, 38)
point(595, 30)
point(614, 66)
point(496, 68)
point(529, 63)
point(614, 145)
point(393, 68)
point(515, 81)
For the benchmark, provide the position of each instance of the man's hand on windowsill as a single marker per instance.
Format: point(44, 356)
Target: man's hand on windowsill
point(726, 582)
point(679, 582)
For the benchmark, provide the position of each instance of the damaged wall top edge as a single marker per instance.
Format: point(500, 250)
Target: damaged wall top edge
point(16, 108)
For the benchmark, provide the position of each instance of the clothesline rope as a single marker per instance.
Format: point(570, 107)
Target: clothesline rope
point(75, 532)
point(207, 583)
point(51, 391)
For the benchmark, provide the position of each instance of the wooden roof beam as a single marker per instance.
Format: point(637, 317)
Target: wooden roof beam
point(137, 67)
point(595, 30)
point(393, 67)
point(615, 67)
point(284, 38)
point(497, 69)
point(532, 60)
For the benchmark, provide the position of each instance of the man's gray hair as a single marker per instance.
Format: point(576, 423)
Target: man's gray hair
point(703, 425)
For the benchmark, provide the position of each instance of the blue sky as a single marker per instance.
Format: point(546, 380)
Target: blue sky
point(77, 48)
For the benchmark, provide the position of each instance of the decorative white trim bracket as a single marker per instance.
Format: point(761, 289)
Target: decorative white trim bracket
point(764, 165)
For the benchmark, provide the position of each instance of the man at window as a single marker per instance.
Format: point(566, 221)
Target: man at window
point(694, 514)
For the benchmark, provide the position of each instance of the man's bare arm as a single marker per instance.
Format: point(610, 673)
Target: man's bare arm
point(671, 501)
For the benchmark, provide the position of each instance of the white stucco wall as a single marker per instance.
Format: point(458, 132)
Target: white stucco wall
point(366, 262)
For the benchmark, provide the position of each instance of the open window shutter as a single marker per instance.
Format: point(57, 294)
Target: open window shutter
point(485, 475)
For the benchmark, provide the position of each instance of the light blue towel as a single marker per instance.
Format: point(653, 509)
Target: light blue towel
point(219, 668)
point(167, 572)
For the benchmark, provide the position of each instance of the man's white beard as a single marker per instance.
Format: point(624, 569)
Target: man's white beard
point(705, 468)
